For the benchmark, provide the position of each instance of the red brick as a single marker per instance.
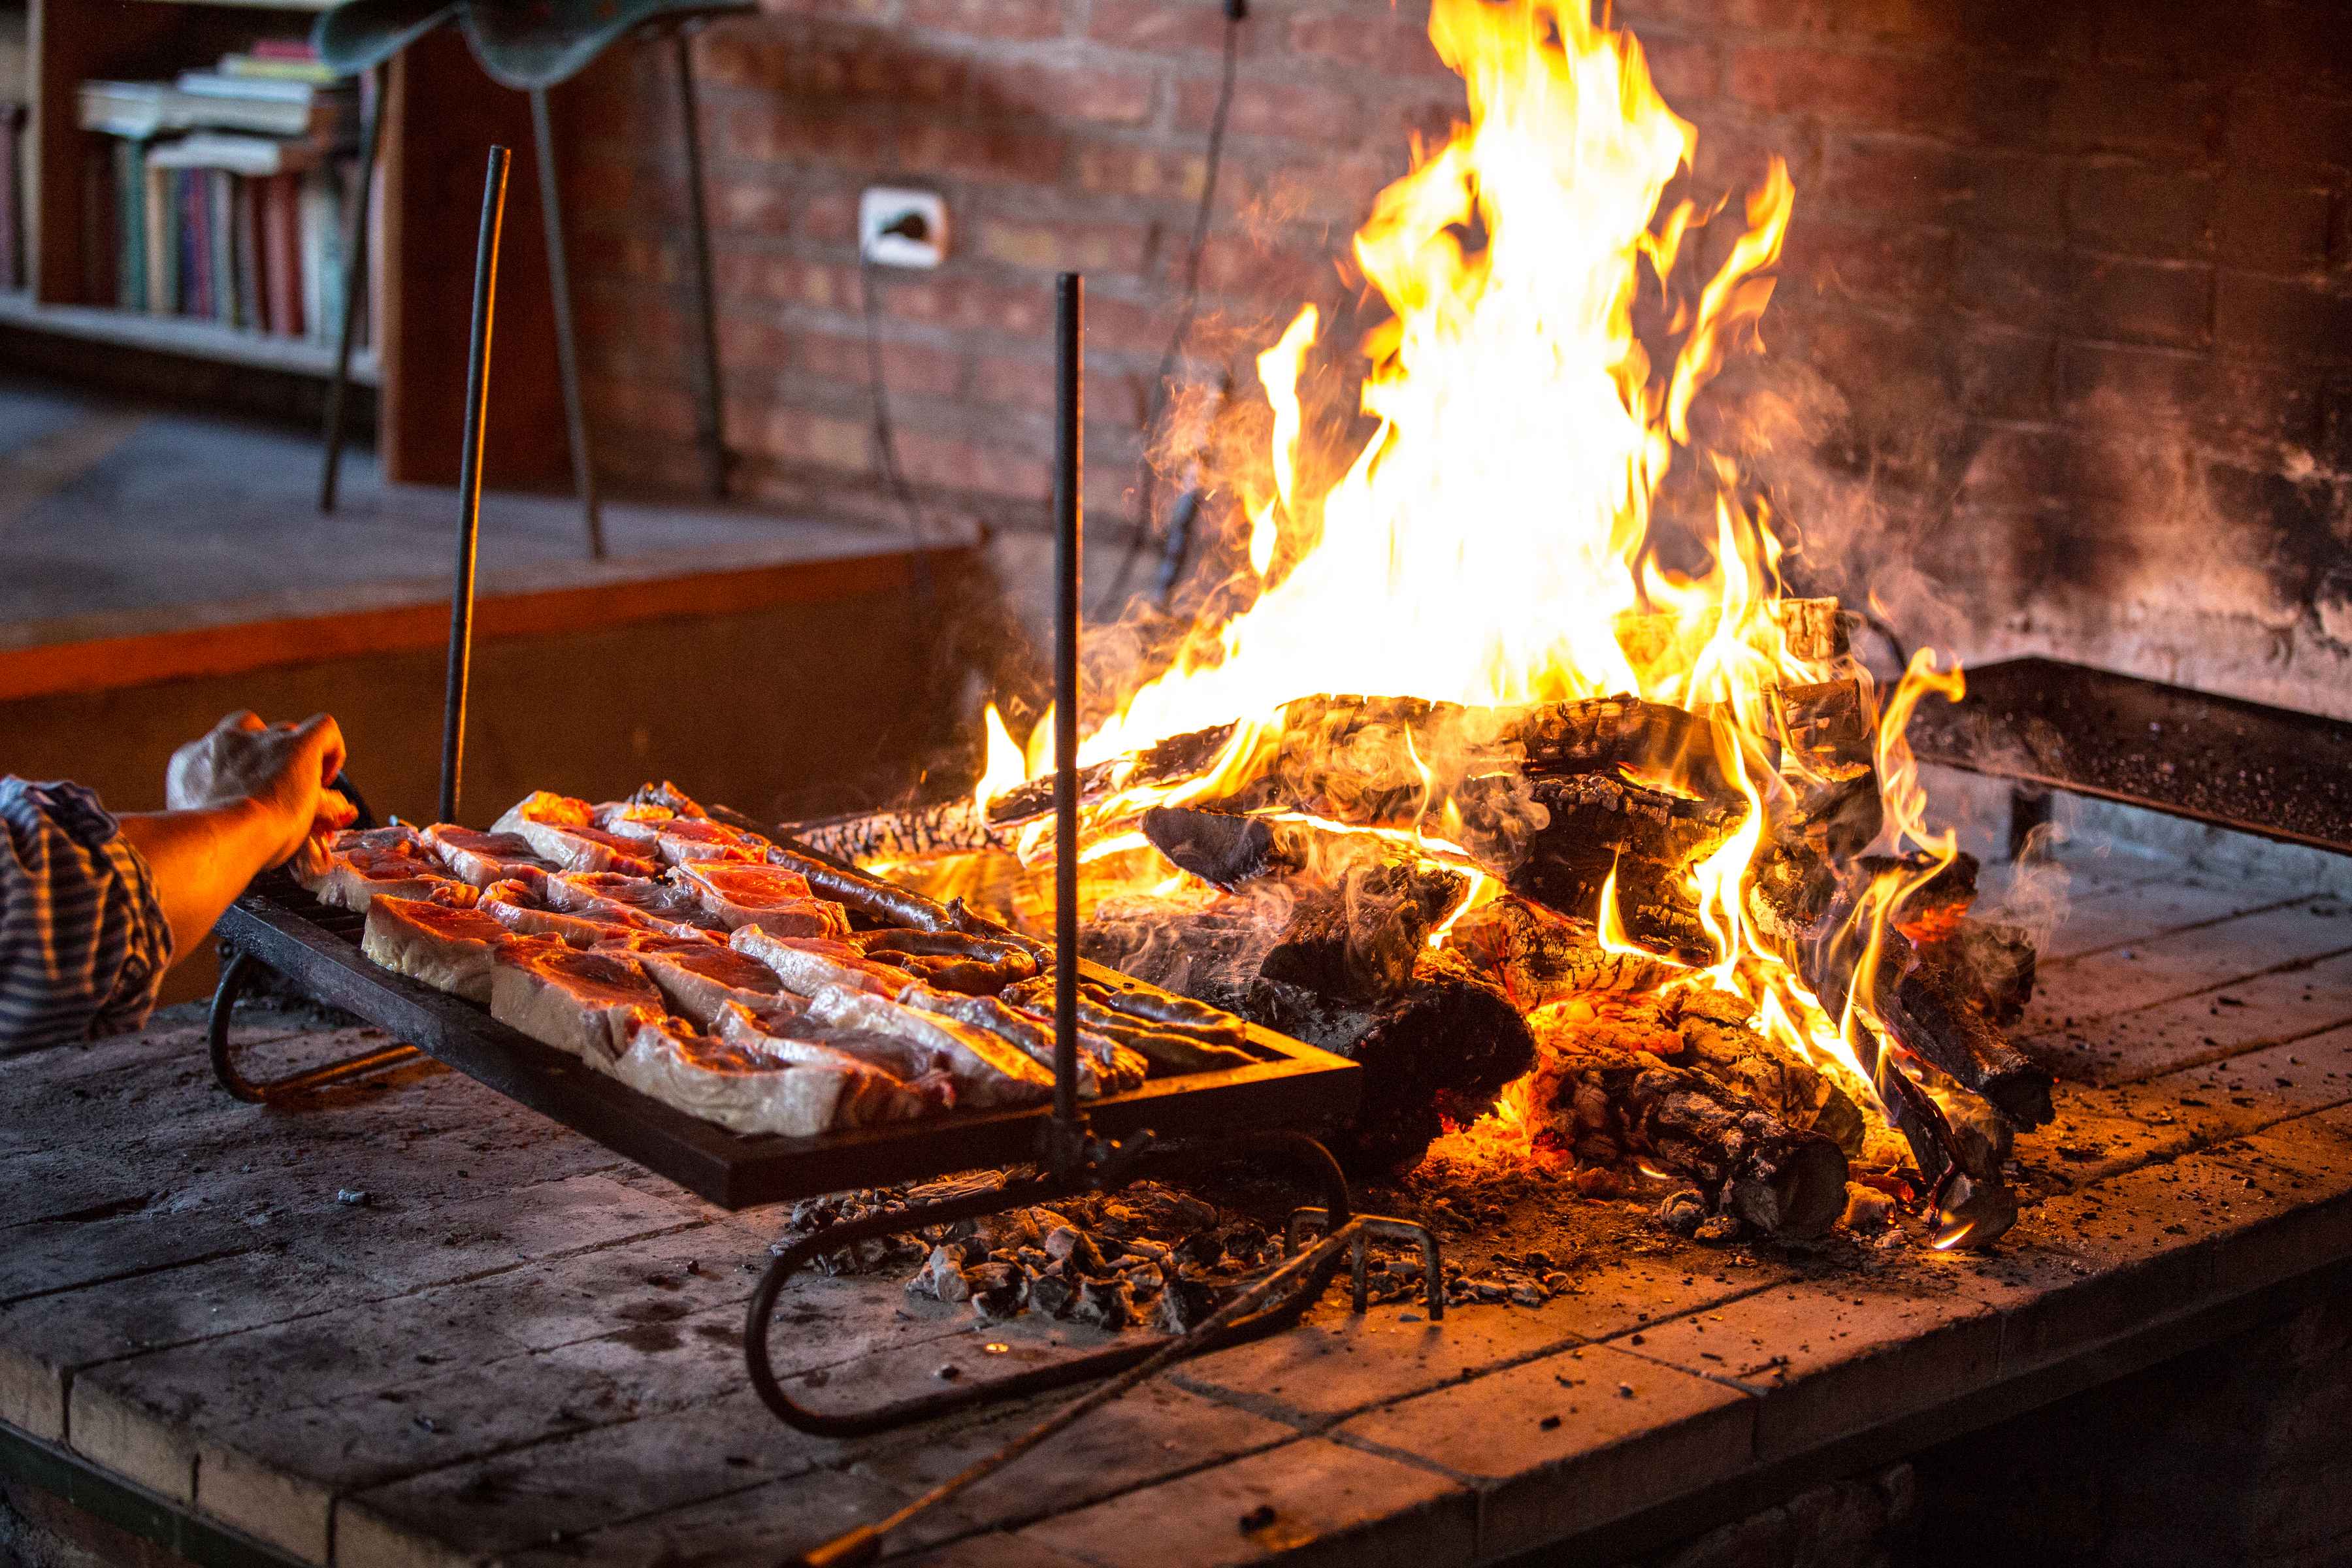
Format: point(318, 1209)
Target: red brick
point(829, 216)
point(954, 302)
point(2148, 210)
point(1384, 41)
point(1685, 73)
point(2009, 28)
point(2302, 322)
point(1138, 170)
point(791, 278)
point(2248, 396)
point(1048, 247)
point(988, 467)
point(921, 369)
point(988, 18)
point(1163, 25)
point(1094, 93)
point(1299, 111)
point(955, 149)
point(1892, 93)
point(2263, 126)
point(2133, 111)
point(2149, 302)
point(750, 207)
point(1872, 262)
point(774, 132)
point(793, 434)
point(805, 65)
point(2272, 227)
point(1237, 265)
point(1929, 182)
point(1001, 380)
point(644, 406)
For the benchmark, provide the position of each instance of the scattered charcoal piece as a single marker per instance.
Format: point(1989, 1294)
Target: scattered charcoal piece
point(1051, 1294)
point(1718, 1229)
point(1184, 1304)
point(1069, 1245)
point(1104, 1304)
point(997, 1290)
point(1682, 1213)
point(1866, 1209)
point(1262, 1517)
point(354, 1197)
point(1205, 1247)
point(948, 1372)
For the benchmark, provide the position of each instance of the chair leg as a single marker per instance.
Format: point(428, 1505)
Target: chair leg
point(709, 433)
point(567, 358)
point(356, 283)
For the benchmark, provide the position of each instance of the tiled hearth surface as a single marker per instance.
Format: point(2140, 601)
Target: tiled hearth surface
point(517, 1348)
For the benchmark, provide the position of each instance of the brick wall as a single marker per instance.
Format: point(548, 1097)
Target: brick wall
point(2066, 316)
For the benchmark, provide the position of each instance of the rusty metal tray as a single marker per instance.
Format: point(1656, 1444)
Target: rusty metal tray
point(316, 950)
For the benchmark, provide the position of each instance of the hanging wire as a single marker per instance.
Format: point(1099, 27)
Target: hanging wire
point(1236, 12)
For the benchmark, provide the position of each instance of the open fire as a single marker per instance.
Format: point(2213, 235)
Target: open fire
point(1661, 814)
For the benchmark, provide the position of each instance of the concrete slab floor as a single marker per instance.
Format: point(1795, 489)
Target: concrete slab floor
point(141, 518)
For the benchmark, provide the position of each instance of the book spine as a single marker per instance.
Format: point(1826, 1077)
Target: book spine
point(130, 224)
point(162, 243)
point(281, 269)
point(316, 210)
point(12, 222)
point(248, 256)
point(221, 230)
point(195, 256)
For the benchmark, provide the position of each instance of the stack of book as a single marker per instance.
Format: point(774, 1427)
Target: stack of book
point(228, 192)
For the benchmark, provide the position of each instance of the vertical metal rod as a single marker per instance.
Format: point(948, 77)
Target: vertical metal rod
point(567, 354)
point(1069, 546)
point(356, 284)
point(470, 481)
point(709, 431)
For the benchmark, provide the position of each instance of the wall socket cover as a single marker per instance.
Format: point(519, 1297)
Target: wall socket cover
point(881, 205)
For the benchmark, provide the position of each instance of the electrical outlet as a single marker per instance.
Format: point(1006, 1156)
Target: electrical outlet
point(902, 229)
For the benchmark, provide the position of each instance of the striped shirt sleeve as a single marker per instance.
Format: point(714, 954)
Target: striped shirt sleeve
point(83, 941)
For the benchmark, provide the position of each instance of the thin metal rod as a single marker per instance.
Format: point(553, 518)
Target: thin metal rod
point(709, 431)
point(567, 354)
point(470, 481)
point(1069, 547)
point(356, 283)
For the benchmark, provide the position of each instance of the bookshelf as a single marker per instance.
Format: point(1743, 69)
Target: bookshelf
point(440, 113)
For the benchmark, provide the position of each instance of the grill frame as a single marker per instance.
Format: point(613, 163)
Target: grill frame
point(315, 951)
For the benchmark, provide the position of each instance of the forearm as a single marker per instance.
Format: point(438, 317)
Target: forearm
point(202, 860)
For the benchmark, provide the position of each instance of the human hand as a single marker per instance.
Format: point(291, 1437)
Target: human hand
point(282, 770)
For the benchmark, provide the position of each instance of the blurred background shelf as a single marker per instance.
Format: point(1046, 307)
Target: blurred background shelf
point(182, 335)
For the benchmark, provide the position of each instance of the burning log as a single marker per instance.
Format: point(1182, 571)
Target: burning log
point(1988, 965)
point(1437, 1047)
point(1361, 940)
point(1784, 1181)
point(1222, 848)
point(1541, 957)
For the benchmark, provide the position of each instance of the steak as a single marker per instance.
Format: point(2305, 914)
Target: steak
point(587, 1004)
point(806, 965)
point(448, 949)
point(362, 866)
point(740, 893)
point(988, 1069)
point(481, 858)
point(702, 978)
point(754, 1092)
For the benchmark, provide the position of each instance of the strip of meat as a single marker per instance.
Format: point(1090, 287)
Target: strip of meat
point(677, 839)
point(740, 893)
point(630, 900)
point(988, 1069)
point(702, 978)
point(1168, 1050)
point(962, 917)
point(362, 866)
point(869, 895)
point(448, 949)
point(989, 951)
point(481, 858)
point(521, 910)
point(560, 829)
point(955, 974)
point(586, 1003)
point(808, 965)
point(788, 1033)
point(754, 1092)
point(1138, 1006)
point(1112, 1066)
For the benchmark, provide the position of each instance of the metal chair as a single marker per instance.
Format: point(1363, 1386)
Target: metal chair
point(530, 46)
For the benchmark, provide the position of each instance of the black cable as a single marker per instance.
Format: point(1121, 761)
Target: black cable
point(1236, 12)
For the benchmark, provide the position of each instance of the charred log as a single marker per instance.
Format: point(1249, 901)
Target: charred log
point(1436, 1053)
point(1539, 955)
point(1783, 1181)
point(1361, 940)
point(1988, 965)
point(1816, 630)
point(1222, 848)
